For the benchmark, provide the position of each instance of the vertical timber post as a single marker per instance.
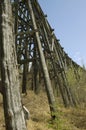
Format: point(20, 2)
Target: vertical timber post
point(14, 116)
point(35, 71)
point(25, 70)
point(49, 89)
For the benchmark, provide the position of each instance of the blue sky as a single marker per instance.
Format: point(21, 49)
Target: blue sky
point(68, 18)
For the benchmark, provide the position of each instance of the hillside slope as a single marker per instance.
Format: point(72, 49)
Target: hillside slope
point(68, 119)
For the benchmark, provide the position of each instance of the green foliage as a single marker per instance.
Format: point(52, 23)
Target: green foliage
point(77, 82)
point(60, 122)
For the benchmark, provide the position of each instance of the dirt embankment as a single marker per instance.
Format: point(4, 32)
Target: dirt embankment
point(69, 119)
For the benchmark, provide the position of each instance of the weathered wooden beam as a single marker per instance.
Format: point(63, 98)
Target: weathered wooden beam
point(49, 89)
point(26, 33)
point(13, 110)
point(25, 69)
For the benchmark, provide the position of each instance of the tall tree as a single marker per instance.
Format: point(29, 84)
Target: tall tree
point(14, 116)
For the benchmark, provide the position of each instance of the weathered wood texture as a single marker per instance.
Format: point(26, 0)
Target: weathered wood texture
point(1, 87)
point(49, 89)
point(14, 116)
point(43, 48)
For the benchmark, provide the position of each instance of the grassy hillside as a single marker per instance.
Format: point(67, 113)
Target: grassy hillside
point(67, 119)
